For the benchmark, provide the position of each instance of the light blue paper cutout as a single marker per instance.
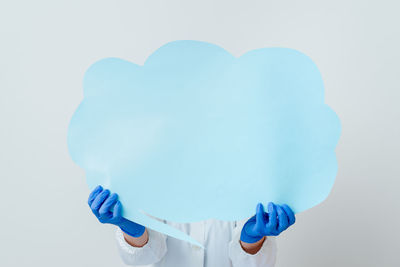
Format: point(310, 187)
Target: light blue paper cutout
point(196, 133)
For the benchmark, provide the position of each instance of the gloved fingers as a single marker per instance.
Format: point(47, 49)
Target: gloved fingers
point(283, 220)
point(98, 201)
point(108, 203)
point(289, 212)
point(117, 213)
point(272, 220)
point(260, 219)
point(94, 194)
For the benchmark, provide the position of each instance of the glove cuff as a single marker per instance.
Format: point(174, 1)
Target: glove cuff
point(245, 237)
point(132, 229)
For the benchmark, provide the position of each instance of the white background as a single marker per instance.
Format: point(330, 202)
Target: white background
point(45, 47)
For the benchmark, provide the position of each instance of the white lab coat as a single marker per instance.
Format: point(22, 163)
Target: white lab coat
point(220, 240)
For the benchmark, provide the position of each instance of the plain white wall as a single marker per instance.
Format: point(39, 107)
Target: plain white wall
point(45, 47)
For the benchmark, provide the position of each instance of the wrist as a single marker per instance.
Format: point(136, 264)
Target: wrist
point(137, 241)
point(253, 248)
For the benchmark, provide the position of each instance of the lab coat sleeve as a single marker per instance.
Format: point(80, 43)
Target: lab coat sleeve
point(150, 253)
point(265, 257)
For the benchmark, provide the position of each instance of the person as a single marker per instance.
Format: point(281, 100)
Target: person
point(248, 243)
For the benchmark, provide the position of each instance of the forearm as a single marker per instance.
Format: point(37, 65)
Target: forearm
point(253, 248)
point(137, 241)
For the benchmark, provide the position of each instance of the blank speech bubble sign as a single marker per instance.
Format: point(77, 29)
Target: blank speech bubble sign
point(196, 133)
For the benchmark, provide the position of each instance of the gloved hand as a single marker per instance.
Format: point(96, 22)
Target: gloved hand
point(277, 220)
point(107, 208)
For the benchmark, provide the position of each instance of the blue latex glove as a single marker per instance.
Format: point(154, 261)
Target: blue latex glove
point(277, 220)
point(108, 209)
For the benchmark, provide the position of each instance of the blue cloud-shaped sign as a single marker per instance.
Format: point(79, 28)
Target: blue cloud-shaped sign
point(196, 133)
